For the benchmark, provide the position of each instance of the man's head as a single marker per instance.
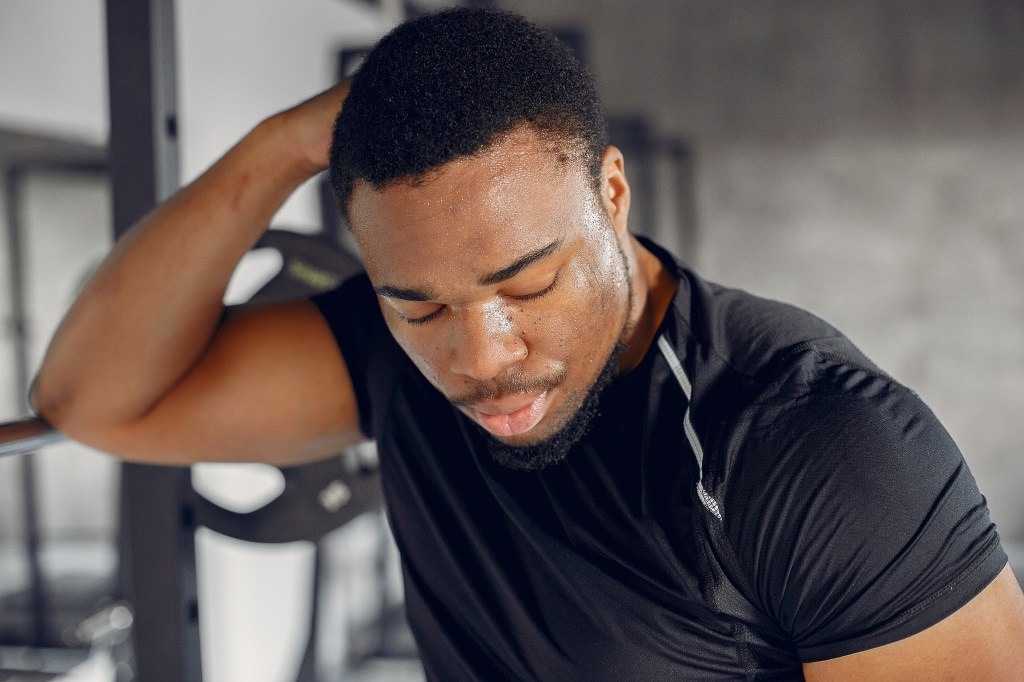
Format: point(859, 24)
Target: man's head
point(496, 240)
point(450, 84)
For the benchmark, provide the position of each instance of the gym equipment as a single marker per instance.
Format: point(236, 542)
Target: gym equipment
point(321, 496)
point(26, 435)
point(35, 606)
point(318, 497)
point(160, 511)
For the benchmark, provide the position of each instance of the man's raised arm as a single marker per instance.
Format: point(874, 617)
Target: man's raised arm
point(143, 365)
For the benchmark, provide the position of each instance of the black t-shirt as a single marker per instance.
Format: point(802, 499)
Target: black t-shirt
point(755, 494)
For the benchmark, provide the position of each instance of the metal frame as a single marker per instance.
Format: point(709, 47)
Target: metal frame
point(157, 572)
point(157, 527)
point(23, 154)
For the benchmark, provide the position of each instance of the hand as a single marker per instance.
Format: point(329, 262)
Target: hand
point(310, 125)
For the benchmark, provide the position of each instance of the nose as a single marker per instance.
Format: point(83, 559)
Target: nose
point(484, 343)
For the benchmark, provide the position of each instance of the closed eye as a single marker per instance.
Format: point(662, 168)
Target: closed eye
point(524, 297)
point(538, 294)
point(424, 318)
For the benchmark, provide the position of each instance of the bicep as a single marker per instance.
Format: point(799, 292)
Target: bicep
point(271, 387)
point(980, 641)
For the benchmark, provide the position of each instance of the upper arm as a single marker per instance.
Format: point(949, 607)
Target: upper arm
point(981, 641)
point(271, 387)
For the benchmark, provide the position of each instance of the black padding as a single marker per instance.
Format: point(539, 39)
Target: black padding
point(317, 498)
point(311, 263)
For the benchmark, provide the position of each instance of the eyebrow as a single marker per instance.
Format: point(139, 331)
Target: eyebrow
point(404, 294)
point(495, 277)
point(526, 261)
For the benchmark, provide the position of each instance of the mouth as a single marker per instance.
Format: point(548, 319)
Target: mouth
point(503, 419)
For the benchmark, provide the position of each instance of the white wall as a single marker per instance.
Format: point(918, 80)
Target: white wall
point(53, 67)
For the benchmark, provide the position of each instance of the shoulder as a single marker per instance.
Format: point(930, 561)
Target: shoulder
point(753, 335)
point(851, 508)
point(374, 360)
point(753, 360)
point(353, 297)
point(819, 424)
point(850, 512)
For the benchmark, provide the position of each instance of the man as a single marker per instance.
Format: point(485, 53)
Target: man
point(597, 465)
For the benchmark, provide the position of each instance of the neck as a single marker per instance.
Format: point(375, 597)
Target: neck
point(653, 289)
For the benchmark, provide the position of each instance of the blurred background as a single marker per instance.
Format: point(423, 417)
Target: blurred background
point(864, 160)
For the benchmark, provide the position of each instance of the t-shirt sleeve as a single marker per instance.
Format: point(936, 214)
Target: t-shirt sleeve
point(368, 349)
point(856, 518)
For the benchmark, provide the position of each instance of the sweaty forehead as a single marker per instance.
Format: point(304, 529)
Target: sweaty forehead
point(472, 213)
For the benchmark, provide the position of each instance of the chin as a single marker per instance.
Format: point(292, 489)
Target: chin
point(533, 451)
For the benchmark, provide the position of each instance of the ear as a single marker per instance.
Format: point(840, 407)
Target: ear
point(615, 188)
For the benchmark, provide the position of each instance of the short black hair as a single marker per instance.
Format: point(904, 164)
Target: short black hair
point(448, 85)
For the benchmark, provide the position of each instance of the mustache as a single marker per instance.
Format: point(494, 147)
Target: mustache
point(512, 384)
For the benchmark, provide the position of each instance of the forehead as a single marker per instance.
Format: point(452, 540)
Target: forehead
point(473, 213)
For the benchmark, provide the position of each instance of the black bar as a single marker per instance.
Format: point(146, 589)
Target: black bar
point(307, 667)
point(143, 150)
point(157, 534)
point(16, 283)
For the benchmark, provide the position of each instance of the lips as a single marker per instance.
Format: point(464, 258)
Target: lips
point(506, 420)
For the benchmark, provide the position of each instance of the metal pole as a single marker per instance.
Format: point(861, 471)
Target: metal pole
point(26, 465)
point(26, 436)
point(157, 531)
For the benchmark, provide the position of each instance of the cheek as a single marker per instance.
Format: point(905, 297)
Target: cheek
point(604, 280)
point(578, 317)
point(419, 344)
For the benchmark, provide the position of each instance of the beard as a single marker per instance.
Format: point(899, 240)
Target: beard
point(556, 447)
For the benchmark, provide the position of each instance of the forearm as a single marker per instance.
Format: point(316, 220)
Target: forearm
point(150, 310)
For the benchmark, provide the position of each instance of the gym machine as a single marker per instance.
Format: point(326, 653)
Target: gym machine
point(156, 599)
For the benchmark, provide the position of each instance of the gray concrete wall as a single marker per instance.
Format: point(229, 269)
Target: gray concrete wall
point(864, 160)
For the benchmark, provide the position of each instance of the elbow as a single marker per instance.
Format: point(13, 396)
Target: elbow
point(49, 403)
point(57, 404)
point(82, 418)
